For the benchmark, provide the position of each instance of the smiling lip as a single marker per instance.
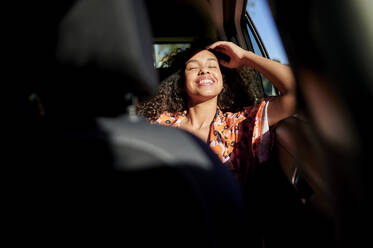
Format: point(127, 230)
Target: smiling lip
point(205, 81)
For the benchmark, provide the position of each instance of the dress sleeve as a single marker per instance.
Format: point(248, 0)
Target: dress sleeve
point(262, 138)
point(164, 119)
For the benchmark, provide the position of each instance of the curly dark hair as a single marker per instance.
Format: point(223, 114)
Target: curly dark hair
point(172, 97)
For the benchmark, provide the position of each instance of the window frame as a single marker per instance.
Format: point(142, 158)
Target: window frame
point(247, 23)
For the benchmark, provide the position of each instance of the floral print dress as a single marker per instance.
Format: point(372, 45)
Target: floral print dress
point(242, 140)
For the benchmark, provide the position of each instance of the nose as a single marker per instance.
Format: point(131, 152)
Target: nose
point(203, 71)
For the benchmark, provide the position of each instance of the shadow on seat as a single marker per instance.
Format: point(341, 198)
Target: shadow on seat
point(103, 176)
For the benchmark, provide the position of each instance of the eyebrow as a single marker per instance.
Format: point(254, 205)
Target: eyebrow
point(194, 60)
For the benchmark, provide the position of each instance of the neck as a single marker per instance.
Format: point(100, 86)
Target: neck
point(201, 114)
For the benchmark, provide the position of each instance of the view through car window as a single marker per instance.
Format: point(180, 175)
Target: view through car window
point(261, 16)
point(265, 28)
point(160, 51)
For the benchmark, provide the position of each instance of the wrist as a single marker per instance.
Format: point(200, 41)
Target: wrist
point(247, 59)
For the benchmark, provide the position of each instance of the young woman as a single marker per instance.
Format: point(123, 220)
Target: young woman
point(199, 100)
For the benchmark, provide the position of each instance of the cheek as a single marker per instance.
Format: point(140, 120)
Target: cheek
point(219, 76)
point(188, 80)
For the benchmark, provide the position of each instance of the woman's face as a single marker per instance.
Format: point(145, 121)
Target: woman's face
point(203, 78)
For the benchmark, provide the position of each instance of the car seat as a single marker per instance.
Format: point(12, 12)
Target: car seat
point(103, 175)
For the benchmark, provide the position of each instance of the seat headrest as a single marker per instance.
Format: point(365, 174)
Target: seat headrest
point(111, 35)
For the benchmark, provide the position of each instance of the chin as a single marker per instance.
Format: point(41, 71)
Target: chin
point(204, 95)
point(208, 94)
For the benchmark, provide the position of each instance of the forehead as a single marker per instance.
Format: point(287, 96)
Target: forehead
point(201, 56)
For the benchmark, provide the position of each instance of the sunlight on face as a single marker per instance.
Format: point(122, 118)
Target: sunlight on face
point(203, 78)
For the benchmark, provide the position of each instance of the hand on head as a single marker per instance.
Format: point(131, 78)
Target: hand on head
point(234, 52)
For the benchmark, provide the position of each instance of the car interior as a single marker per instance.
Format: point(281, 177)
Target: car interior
point(100, 174)
point(93, 172)
point(329, 45)
point(296, 197)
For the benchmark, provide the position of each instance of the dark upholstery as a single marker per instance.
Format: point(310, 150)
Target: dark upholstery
point(98, 177)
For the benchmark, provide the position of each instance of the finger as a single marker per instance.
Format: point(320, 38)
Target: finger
point(215, 44)
point(223, 63)
point(219, 48)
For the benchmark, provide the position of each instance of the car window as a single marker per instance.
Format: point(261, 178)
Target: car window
point(261, 16)
point(263, 38)
point(161, 50)
point(254, 43)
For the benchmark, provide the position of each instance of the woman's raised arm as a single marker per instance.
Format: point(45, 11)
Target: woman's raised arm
point(280, 75)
